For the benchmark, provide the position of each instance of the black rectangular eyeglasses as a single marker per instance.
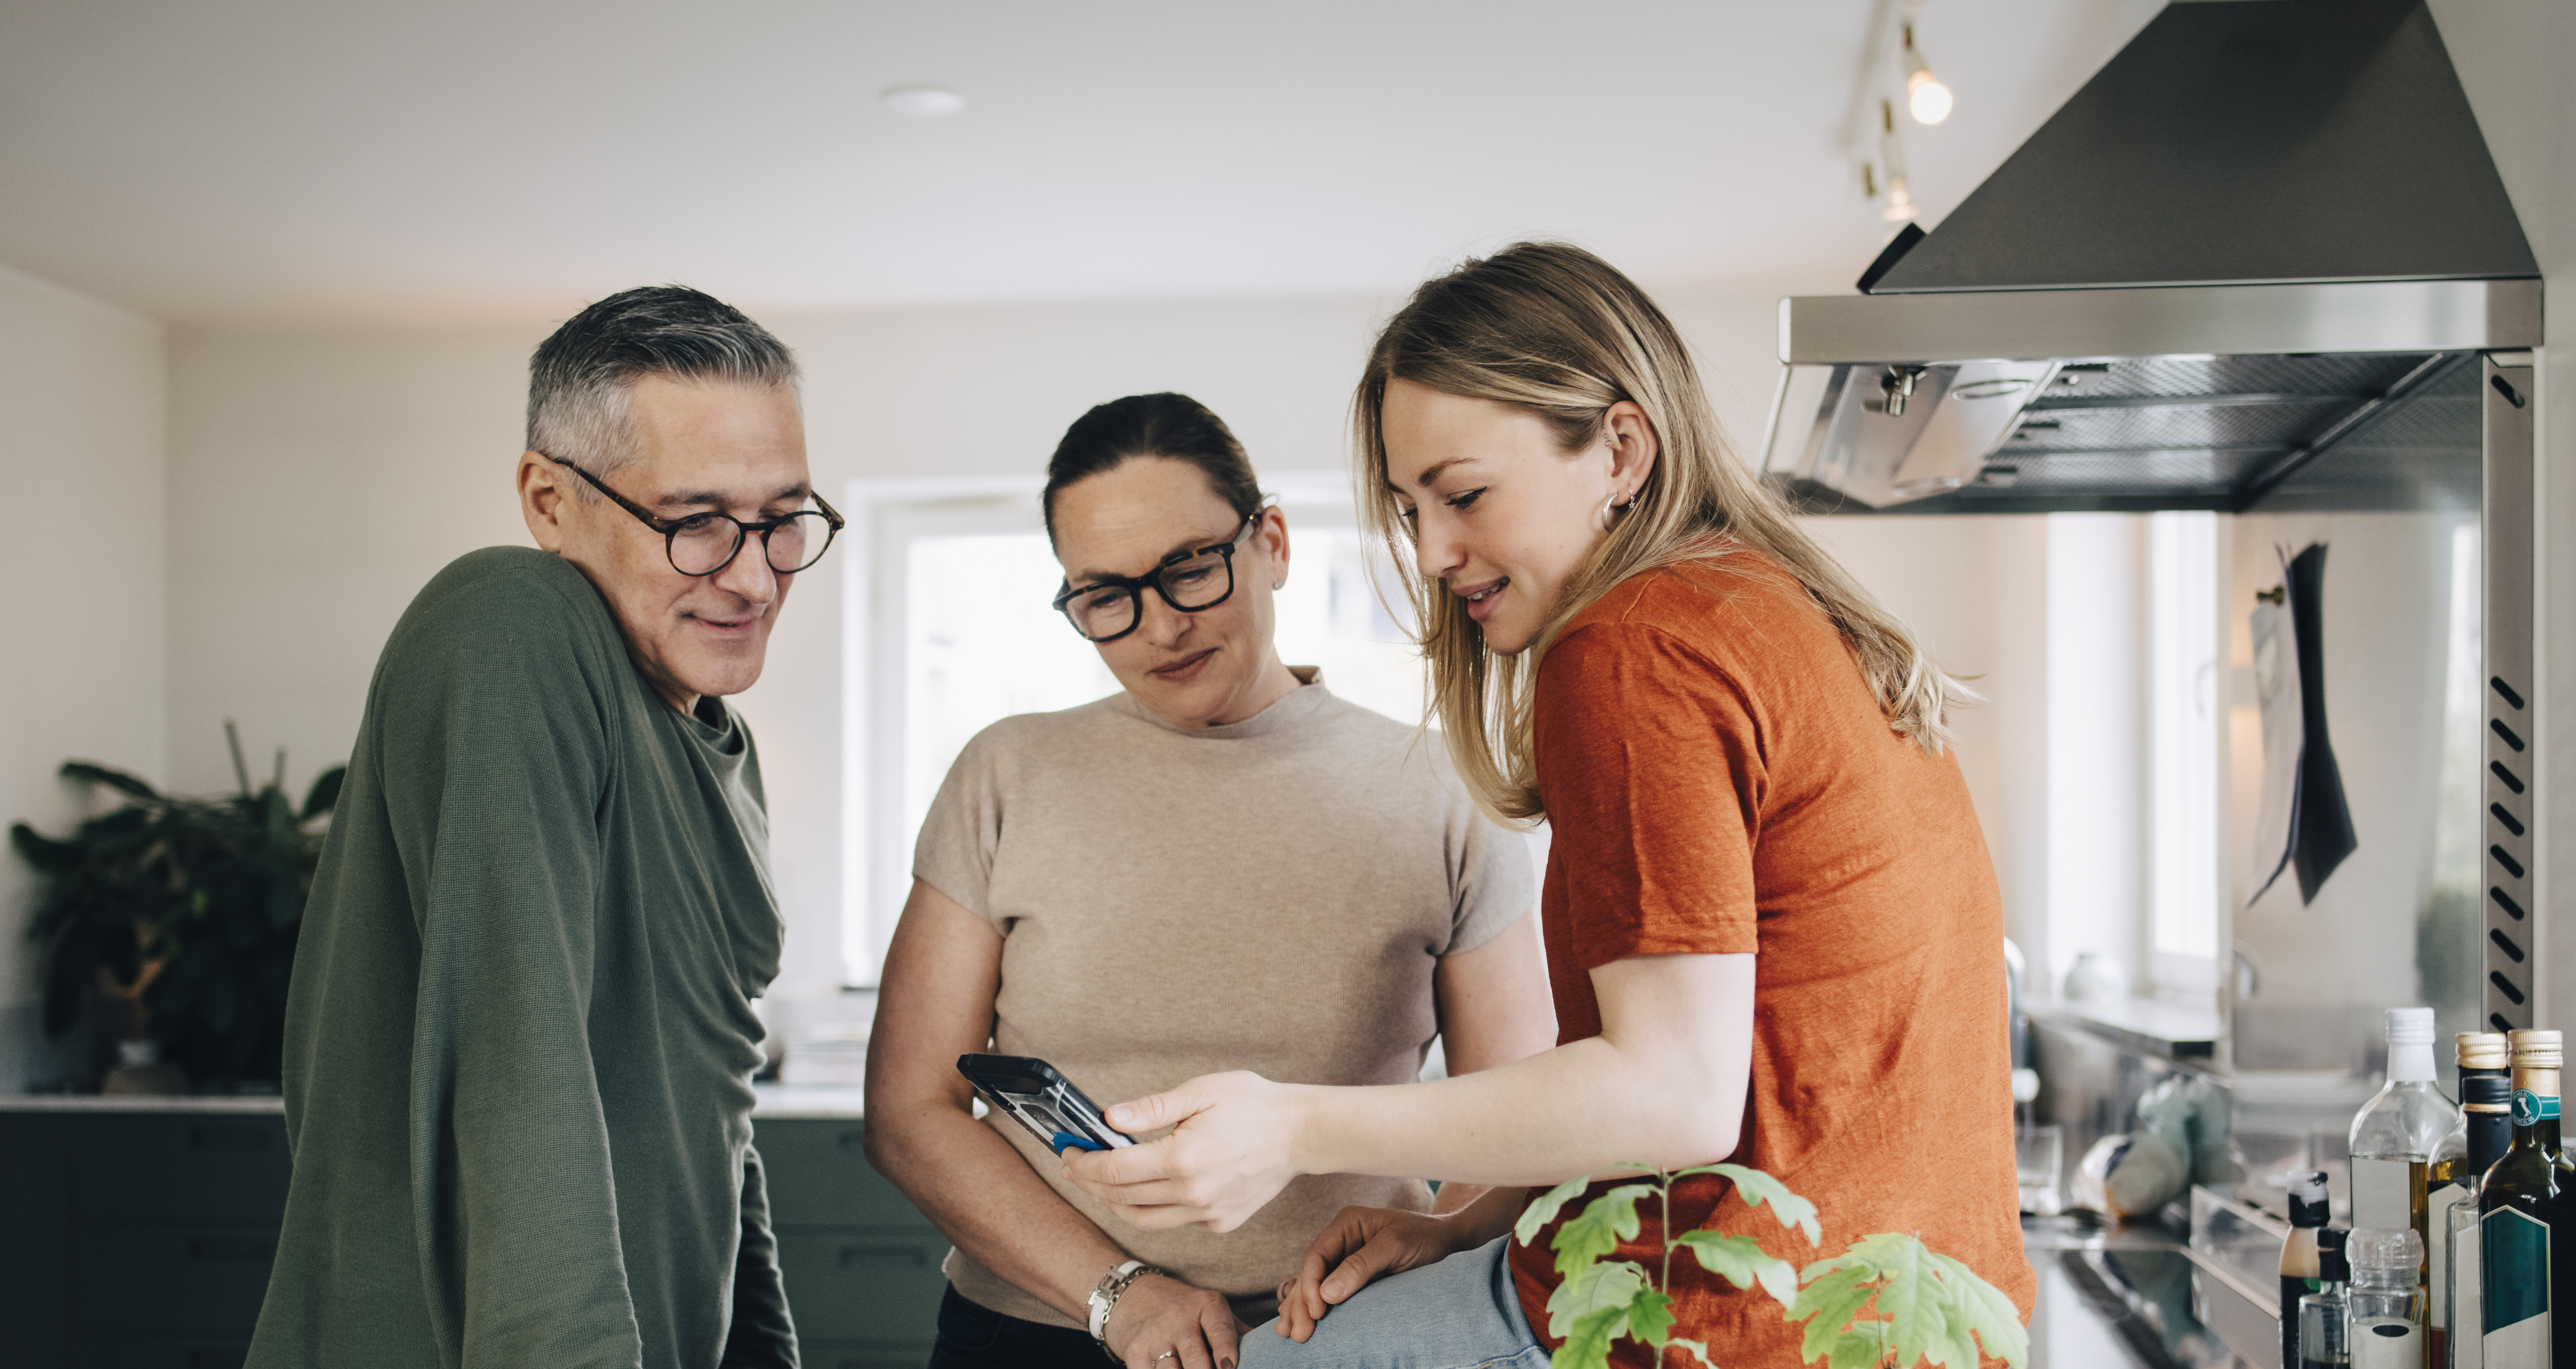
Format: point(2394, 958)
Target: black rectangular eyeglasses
point(1191, 581)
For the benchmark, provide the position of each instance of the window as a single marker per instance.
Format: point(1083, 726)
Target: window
point(2183, 725)
point(948, 629)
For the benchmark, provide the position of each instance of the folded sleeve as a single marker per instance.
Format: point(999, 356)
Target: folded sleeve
point(1492, 879)
point(494, 784)
point(1651, 764)
point(962, 832)
point(762, 1335)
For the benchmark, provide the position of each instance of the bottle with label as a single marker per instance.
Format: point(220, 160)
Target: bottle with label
point(2385, 1329)
point(2485, 1101)
point(2482, 1055)
point(2525, 1198)
point(2325, 1312)
point(2395, 1133)
point(2300, 1269)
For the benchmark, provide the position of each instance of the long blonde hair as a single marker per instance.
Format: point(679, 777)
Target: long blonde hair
point(1551, 329)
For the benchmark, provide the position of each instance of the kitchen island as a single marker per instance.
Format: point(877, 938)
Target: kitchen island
point(140, 1230)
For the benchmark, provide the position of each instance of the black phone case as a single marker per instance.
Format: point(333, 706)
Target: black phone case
point(1038, 1097)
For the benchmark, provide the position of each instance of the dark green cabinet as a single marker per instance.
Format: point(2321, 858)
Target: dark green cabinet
point(143, 1240)
point(862, 1266)
point(139, 1239)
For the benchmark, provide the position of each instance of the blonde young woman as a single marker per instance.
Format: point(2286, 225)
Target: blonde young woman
point(1772, 926)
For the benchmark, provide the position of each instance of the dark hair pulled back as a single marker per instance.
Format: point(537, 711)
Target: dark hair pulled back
point(1168, 425)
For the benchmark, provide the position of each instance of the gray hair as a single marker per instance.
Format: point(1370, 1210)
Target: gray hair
point(580, 379)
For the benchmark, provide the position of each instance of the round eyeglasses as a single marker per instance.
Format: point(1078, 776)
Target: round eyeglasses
point(1190, 581)
point(704, 543)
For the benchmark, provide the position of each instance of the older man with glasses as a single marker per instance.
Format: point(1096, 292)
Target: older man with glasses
point(520, 1038)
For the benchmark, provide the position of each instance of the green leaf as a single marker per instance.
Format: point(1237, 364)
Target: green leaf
point(1650, 1317)
point(1612, 1286)
point(89, 773)
point(1539, 1213)
point(50, 857)
point(1587, 1342)
point(1740, 1261)
point(1698, 1350)
point(1599, 1228)
point(1835, 1293)
point(1982, 1308)
point(1758, 1188)
point(325, 793)
point(1863, 1346)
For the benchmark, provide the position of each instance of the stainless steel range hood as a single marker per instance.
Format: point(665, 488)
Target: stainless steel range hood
point(2234, 264)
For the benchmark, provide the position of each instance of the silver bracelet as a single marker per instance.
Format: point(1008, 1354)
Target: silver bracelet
point(1105, 1295)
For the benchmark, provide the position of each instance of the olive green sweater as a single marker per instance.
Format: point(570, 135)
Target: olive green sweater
point(520, 1039)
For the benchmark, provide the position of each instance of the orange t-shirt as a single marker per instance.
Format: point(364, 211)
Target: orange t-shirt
point(1720, 780)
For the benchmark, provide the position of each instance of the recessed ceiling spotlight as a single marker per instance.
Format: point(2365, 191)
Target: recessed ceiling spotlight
point(923, 102)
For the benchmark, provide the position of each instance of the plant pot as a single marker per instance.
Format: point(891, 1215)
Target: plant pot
point(139, 1068)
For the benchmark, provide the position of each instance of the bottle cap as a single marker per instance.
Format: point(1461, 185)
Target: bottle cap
point(2308, 1205)
point(2484, 1051)
point(2334, 1263)
point(2538, 1050)
point(2486, 1093)
point(2410, 1026)
point(2384, 1258)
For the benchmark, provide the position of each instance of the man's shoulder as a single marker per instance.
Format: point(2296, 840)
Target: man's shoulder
point(515, 594)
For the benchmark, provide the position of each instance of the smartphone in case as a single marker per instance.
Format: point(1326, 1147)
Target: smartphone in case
point(1042, 1100)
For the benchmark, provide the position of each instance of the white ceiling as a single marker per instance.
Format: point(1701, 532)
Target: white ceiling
point(283, 159)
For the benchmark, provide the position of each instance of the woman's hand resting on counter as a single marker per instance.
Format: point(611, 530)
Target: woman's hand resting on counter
point(1231, 1149)
point(1159, 1314)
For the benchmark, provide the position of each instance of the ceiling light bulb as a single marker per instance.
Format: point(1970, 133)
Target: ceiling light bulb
point(1900, 205)
point(1925, 97)
point(923, 102)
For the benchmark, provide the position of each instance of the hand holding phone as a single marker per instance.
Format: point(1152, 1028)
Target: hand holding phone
point(1033, 1094)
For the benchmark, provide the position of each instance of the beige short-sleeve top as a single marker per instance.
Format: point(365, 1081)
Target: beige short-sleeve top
point(1271, 895)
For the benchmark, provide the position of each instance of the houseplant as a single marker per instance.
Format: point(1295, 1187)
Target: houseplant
point(185, 908)
point(1887, 1302)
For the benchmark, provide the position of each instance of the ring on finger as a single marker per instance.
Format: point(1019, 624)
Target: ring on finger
point(1165, 1355)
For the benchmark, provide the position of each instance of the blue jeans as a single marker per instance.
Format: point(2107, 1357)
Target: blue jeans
point(1461, 1313)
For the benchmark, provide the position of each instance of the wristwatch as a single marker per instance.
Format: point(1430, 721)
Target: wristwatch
point(1104, 1298)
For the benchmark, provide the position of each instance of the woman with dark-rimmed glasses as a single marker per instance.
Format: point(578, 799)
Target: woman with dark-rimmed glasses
point(1220, 864)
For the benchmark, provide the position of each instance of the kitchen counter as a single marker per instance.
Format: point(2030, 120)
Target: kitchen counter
point(2138, 1299)
point(801, 1102)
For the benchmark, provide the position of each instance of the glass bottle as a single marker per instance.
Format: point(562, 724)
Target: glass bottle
point(2485, 1103)
point(2451, 1179)
point(2299, 1266)
point(2325, 1314)
point(2385, 1326)
point(2394, 1134)
point(2525, 1198)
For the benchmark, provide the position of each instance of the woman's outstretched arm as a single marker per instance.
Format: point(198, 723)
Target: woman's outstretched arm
point(1662, 1085)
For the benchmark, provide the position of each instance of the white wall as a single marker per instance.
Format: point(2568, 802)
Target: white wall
point(2513, 57)
point(319, 477)
point(80, 446)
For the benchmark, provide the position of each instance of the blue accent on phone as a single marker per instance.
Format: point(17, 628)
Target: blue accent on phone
point(1066, 1138)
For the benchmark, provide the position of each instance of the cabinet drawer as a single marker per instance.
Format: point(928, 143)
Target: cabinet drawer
point(819, 1176)
point(158, 1352)
point(846, 1354)
point(141, 1279)
point(874, 1286)
point(180, 1168)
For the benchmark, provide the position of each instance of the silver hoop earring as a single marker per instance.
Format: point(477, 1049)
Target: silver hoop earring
point(1279, 584)
point(1610, 506)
